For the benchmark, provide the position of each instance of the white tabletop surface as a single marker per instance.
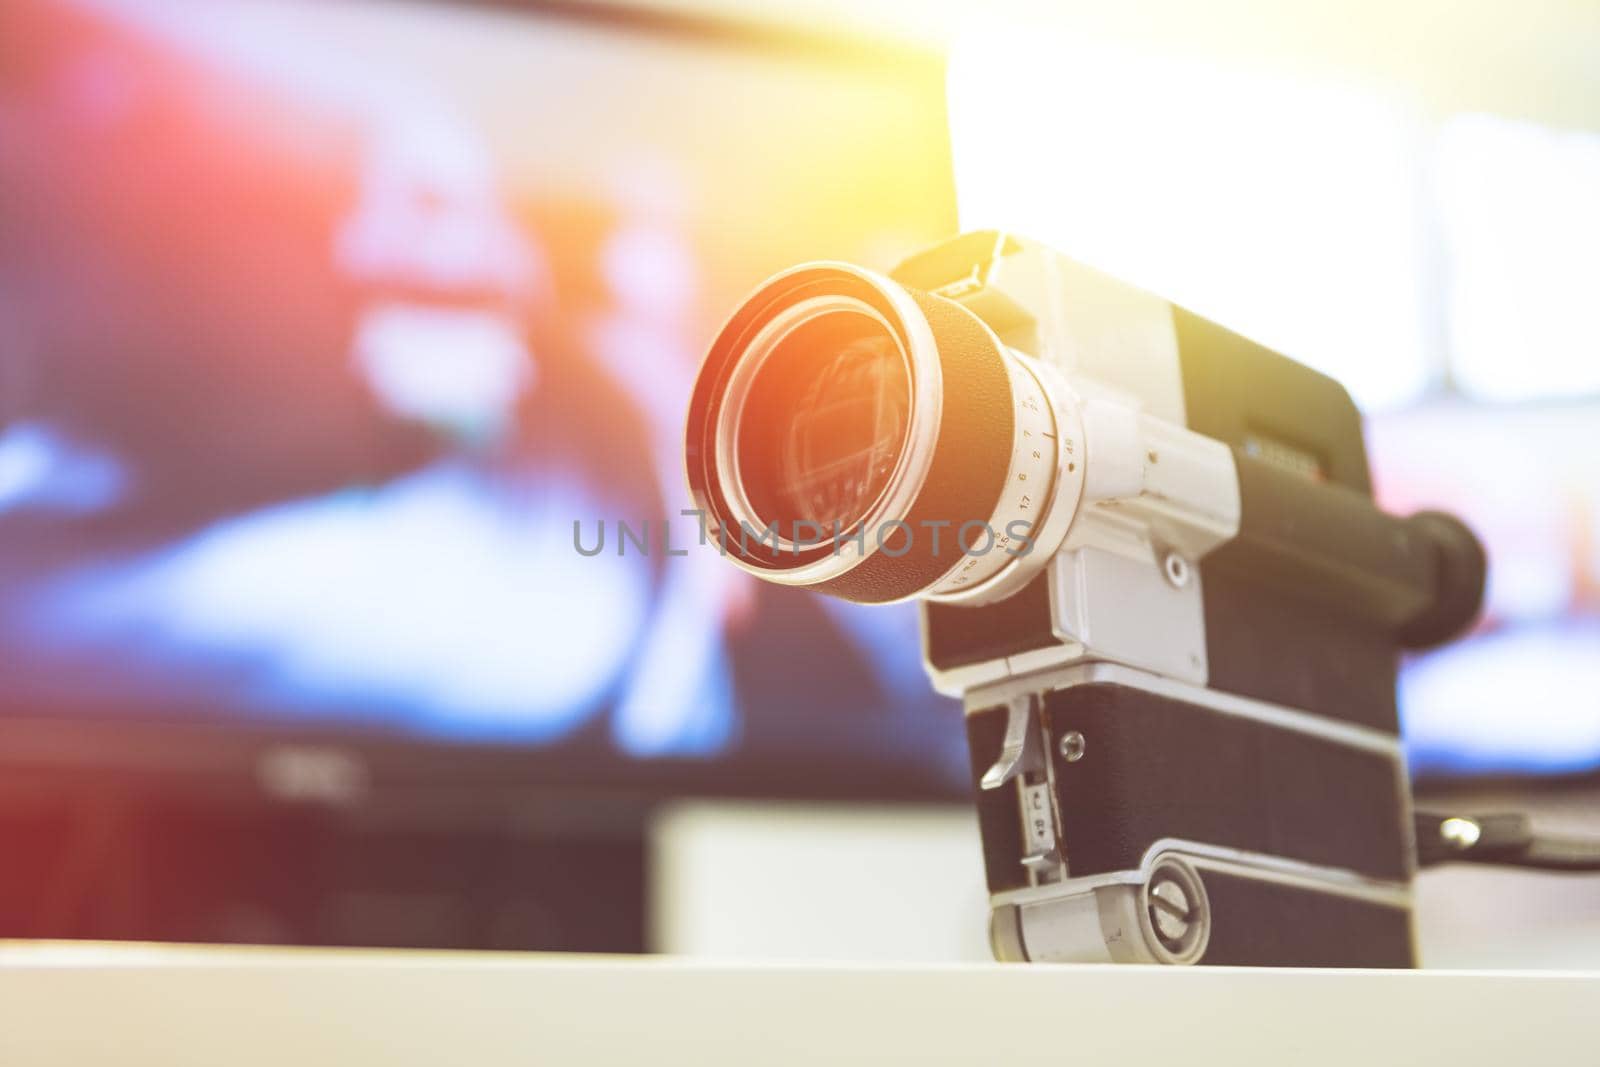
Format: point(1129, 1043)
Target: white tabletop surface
point(80, 1004)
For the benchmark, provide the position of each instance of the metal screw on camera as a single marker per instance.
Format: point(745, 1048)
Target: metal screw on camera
point(1072, 746)
point(1170, 909)
point(1176, 569)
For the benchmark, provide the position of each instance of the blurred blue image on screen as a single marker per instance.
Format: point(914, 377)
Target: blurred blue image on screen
point(1519, 694)
point(322, 324)
point(325, 325)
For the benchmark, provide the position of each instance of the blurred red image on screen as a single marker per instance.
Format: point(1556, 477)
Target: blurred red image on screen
point(329, 322)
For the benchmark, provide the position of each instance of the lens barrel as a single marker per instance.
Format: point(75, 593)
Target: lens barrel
point(851, 435)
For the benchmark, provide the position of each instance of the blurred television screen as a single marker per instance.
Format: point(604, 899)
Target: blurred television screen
point(1520, 694)
point(326, 323)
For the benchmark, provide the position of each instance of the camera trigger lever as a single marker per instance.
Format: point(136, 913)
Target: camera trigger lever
point(1022, 750)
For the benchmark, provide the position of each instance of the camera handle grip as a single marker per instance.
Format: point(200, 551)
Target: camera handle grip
point(1422, 577)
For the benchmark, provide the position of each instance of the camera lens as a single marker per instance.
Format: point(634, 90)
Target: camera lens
point(867, 440)
point(824, 422)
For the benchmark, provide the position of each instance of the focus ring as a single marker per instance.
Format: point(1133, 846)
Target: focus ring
point(972, 453)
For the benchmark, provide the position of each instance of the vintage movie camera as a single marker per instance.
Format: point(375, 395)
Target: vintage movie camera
point(1150, 565)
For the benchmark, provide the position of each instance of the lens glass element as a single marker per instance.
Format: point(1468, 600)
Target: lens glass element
point(825, 424)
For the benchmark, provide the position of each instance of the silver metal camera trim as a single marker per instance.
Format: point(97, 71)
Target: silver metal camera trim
point(906, 481)
point(1089, 918)
point(1141, 489)
point(1061, 503)
point(1001, 692)
point(1262, 866)
point(1085, 920)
